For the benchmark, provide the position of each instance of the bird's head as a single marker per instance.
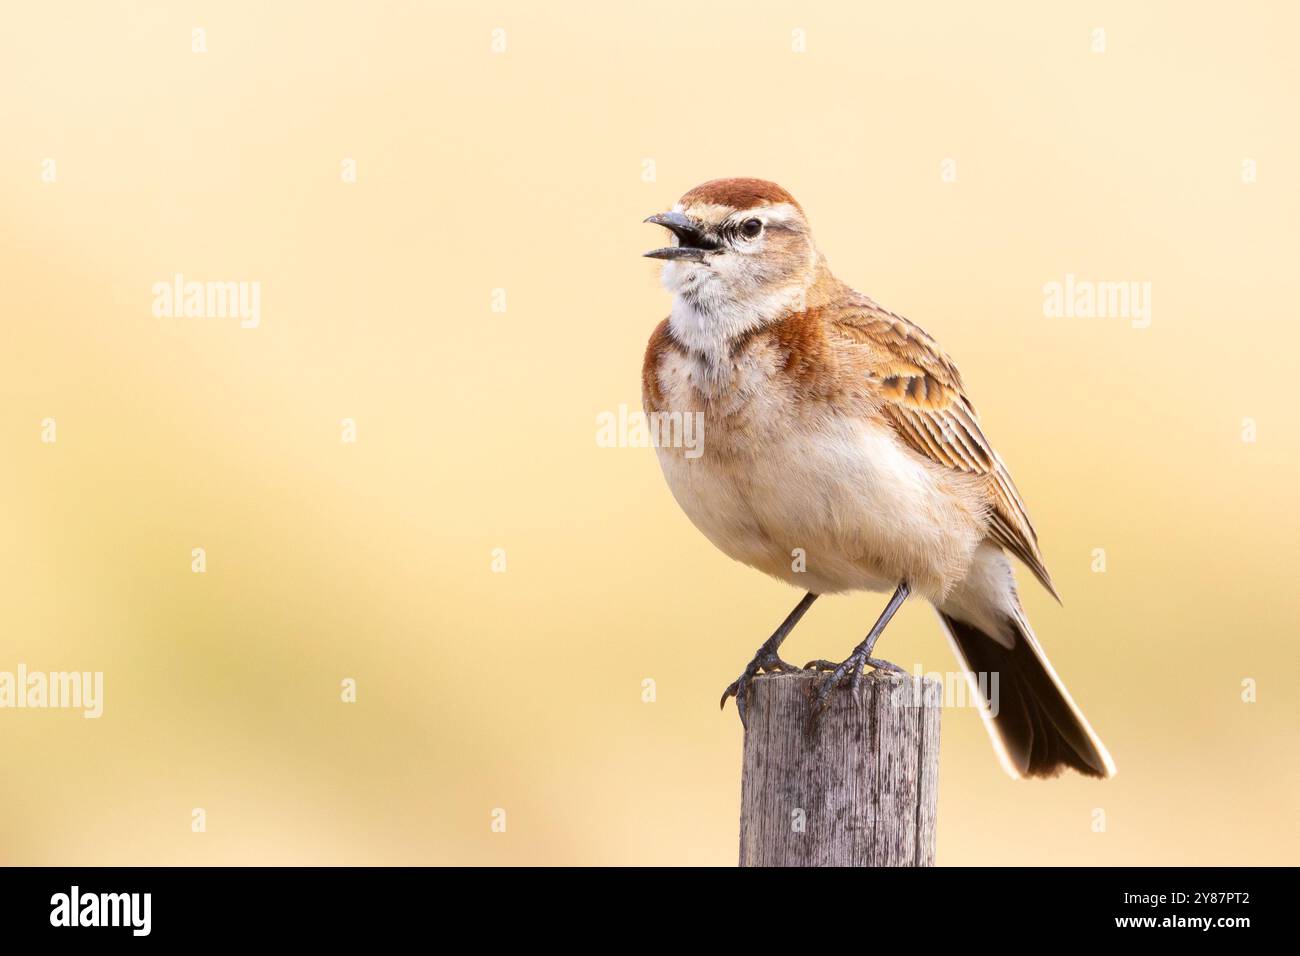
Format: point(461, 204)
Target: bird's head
point(739, 244)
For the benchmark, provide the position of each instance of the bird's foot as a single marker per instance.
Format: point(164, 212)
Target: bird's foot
point(763, 662)
point(849, 670)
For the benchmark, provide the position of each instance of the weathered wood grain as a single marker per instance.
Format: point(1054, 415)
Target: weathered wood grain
point(861, 791)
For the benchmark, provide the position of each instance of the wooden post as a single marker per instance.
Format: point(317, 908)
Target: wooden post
point(862, 791)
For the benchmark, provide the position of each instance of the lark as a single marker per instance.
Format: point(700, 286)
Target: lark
point(842, 453)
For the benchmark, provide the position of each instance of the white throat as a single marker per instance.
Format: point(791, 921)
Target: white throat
point(706, 321)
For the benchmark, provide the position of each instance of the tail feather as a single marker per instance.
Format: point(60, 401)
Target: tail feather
point(1037, 728)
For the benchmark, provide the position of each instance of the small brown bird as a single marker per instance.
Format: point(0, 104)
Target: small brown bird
point(840, 453)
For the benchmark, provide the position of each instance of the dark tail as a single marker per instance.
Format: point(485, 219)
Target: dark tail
point(1036, 727)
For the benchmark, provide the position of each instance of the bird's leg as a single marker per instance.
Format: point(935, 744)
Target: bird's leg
point(767, 658)
point(861, 656)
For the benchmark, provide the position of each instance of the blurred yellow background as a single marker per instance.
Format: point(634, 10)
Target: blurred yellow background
point(525, 170)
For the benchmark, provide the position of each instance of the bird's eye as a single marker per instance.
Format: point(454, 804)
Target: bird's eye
point(750, 228)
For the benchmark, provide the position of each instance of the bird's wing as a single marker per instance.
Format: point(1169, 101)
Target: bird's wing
point(925, 401)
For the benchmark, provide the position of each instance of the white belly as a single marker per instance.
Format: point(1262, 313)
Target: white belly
point(837, 508)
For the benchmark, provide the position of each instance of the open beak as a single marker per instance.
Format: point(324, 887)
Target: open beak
point(692, 241)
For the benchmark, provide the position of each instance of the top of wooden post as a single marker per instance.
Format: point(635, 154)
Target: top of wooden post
point(860, 788)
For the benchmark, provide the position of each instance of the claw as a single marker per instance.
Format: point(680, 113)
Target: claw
point(767, 659)
point(739, 688)
point(828, 686)
point(878, 665)
point(838, 673)
point(861, 656)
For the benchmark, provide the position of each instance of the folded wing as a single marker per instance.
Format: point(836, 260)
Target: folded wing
point(925, 401)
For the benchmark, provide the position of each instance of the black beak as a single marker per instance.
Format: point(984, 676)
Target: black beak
point(692, 241)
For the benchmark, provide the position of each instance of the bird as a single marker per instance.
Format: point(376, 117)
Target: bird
point(841, 452)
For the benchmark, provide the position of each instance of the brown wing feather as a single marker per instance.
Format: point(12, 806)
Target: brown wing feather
point(926, 403)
